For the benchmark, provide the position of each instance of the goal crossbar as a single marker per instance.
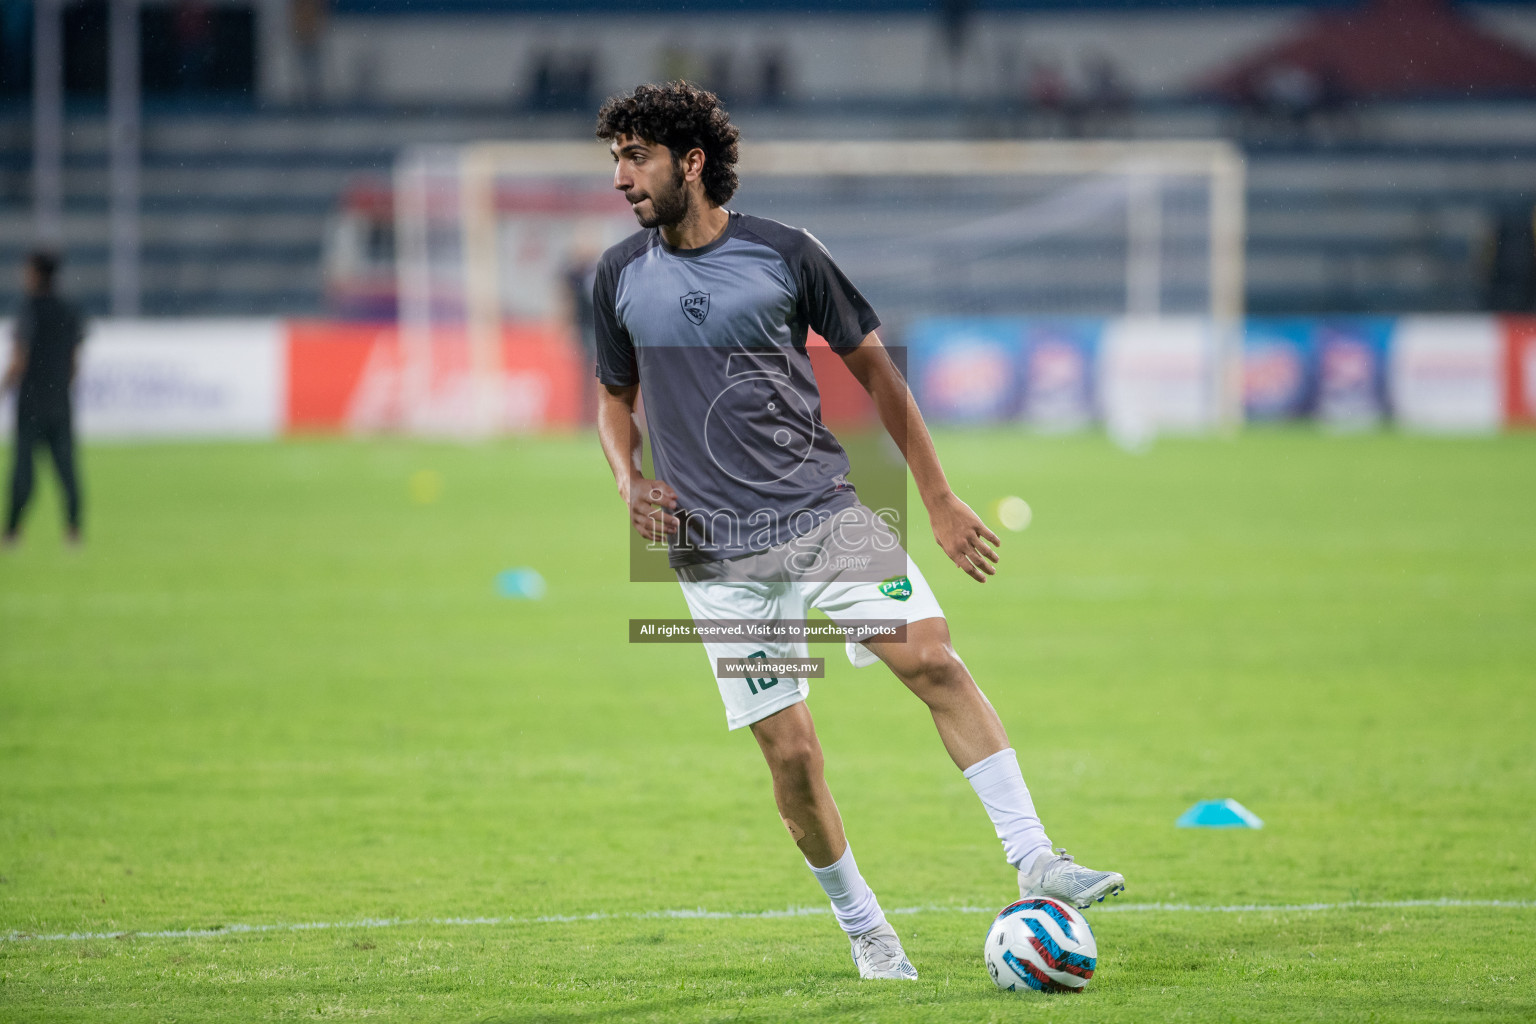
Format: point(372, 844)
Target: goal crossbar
point(478, 166)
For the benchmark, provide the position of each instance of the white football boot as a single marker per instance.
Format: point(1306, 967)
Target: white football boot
point(878, 954)
point(1060, 878)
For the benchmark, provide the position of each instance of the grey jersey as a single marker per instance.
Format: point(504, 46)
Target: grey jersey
point(715, 337)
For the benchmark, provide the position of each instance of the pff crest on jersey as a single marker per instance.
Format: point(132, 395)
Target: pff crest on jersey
point(695, 306)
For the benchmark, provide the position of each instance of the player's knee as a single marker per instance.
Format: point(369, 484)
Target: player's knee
point(936, 669)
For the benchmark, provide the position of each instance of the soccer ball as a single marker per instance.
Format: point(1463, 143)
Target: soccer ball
point(1040, 944)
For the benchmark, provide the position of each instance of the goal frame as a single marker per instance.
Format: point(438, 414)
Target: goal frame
point(478, 166)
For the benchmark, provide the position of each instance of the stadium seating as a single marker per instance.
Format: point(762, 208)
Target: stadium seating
point(235, 208)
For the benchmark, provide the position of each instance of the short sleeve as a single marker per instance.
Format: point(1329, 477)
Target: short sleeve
point(616, 364)
point(830, 303)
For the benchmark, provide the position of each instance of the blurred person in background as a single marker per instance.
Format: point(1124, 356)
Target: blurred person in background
point(193, 26)
point(1511, 260)
point(580, 276)
point(307, 22)
point(44, 357)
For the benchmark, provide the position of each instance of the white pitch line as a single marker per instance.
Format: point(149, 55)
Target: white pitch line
point(743, 915)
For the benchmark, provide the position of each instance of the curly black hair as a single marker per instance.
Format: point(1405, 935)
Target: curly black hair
point(680, 116)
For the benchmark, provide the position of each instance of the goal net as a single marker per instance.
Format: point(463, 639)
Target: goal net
point(1138, 244)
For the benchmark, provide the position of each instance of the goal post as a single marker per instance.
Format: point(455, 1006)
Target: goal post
point(1148, 232)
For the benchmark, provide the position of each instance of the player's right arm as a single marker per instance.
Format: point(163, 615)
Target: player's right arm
point(648, 500)
point(15, 369)
point(618, 374)
point(18, 363)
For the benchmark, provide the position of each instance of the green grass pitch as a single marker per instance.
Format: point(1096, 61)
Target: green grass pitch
point(275, 690)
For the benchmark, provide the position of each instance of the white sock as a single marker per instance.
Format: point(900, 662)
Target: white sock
point(1000, 785)
point(853, 901)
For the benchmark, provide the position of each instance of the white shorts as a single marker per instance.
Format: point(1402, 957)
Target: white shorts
point(769, 586)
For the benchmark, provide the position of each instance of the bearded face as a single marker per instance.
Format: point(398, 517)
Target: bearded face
point(665, 203)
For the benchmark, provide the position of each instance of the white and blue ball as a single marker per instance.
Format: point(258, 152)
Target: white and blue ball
point(1040, 945)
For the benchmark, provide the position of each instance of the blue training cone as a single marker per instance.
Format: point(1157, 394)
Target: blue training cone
point(524, 583)
point(1226, 813)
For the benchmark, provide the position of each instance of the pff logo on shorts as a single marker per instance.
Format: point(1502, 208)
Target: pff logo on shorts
point(897, 588)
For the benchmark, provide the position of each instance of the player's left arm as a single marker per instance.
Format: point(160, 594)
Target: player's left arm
point(956, 526)
point(74, 350)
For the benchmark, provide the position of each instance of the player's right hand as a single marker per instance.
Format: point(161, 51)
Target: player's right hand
point(649, 501)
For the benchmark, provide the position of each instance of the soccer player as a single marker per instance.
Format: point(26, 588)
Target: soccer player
point(44, 354)
point(705, 312)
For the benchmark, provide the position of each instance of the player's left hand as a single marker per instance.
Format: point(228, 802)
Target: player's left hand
point(964, 537)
